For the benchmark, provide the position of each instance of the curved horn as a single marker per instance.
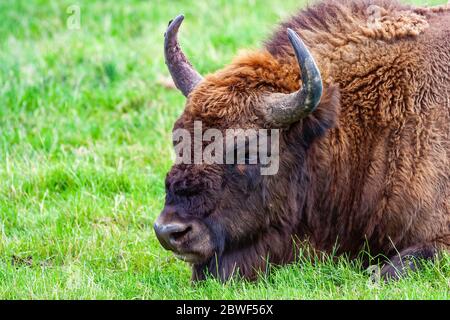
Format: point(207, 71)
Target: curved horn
point(183, 74)
point(284, 109)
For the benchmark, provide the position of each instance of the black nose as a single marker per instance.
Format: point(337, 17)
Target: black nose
point(171, 235)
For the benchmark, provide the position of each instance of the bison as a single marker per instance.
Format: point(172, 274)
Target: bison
point(360, 93)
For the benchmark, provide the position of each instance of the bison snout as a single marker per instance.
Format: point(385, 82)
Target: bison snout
point(189, 238)
point(172, 235)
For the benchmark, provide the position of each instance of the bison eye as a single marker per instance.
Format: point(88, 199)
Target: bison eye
point(245, 153)
point(187, 191)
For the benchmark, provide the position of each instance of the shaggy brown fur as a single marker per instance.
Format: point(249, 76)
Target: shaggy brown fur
point(370, 167)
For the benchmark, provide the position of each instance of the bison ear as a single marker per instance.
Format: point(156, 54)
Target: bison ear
point(325, 117)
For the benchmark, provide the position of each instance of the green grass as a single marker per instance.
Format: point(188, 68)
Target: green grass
point(85, 146)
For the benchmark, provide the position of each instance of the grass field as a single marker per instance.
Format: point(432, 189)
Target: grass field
point(85, 145)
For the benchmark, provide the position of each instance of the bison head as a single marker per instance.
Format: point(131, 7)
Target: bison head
point(226, 218)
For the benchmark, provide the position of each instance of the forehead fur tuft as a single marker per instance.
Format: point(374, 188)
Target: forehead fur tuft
point(233, 92)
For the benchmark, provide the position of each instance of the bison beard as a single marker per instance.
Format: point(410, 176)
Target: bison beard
point(367, 167)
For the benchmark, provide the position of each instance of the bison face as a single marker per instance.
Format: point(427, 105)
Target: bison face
point(208, 209)
point(218, 214)
point(185, 225)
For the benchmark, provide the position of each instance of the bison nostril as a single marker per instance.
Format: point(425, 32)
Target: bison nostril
point(170, 234)
point(176, 236)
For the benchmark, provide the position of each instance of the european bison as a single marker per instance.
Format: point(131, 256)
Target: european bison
point(363, 111)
